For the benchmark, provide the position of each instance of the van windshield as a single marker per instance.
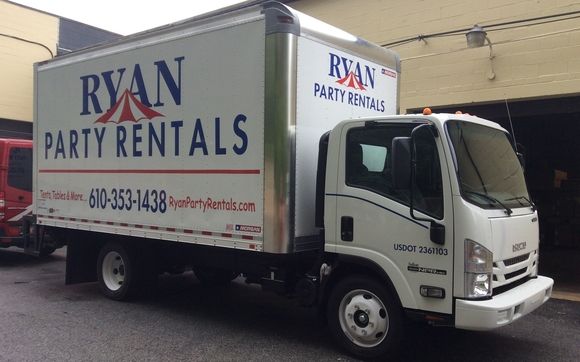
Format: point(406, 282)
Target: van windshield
point(489, 171)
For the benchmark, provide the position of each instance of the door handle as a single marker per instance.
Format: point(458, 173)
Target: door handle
point(20, 198)
point(346, 228)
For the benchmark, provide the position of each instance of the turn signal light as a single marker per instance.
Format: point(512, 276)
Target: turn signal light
point(432, 292)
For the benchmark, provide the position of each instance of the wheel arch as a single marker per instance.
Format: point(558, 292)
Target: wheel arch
point(348, 265)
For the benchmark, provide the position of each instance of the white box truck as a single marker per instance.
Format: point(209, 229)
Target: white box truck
point(256, 142)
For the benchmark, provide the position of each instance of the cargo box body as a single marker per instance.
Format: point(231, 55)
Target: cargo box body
point(204, 131)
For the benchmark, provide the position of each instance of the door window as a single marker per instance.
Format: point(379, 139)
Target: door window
point(368, 163)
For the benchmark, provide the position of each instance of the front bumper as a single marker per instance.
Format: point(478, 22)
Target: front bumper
point(505, 308)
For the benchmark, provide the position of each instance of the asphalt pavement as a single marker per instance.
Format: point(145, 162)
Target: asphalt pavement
point(41, 319)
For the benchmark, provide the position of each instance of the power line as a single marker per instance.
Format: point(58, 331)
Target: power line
point(29, 41)
point(489, 27)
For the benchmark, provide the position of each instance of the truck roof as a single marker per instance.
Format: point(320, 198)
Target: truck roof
point(437, 118)
point(279, 19)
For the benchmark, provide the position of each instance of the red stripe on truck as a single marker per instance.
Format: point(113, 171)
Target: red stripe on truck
point(181, 172)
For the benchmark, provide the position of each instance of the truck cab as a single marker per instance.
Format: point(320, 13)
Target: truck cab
point(439, 203)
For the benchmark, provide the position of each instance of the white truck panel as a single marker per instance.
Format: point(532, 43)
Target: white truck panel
point(189, 133)
point(203, 131)
point(332, 85)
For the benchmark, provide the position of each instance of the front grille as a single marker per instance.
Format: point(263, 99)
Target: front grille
point(507, 271)
point(506, 287)
point(517, 259)
point(509, 276)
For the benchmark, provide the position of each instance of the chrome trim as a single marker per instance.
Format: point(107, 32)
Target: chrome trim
point(280, 142)
point(35, 137)
point(280, 19)
point(398, 106)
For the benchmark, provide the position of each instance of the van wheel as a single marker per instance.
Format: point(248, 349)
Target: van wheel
point(364, 318)
point(117, 274)
point(214, 276)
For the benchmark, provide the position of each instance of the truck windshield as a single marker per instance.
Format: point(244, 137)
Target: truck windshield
point(490, 174)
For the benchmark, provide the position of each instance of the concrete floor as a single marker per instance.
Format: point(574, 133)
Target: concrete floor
point(44, 320)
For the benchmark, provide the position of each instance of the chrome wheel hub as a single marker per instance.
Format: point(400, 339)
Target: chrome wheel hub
point(363, 318)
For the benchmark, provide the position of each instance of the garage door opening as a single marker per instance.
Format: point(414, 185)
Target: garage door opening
point(547, 131)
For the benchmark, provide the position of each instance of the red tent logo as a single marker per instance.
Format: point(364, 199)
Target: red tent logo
point(351, 81)
point(128, 109)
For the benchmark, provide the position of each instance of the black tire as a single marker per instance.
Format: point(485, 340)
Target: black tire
point(214, 276)
point(118, 272)
point(364, 317)
point(47, 250)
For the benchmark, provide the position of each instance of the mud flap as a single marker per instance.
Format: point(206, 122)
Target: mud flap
point(81, 261)
point(33, 235)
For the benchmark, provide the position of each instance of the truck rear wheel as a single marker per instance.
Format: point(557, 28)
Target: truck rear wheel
point(47, 250)
point(117, 271)
point(364, 318)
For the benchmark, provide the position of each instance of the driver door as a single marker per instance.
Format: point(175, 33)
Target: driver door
point(373, 217)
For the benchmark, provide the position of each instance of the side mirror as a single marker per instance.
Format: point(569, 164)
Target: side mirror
point(401, 162)
point(437, 233)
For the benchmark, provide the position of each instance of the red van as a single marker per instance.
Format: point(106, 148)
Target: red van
point(15, 188)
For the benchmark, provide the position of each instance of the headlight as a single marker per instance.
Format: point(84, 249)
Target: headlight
point(478, 270)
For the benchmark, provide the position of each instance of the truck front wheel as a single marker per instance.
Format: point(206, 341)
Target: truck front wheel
point(364, 318)
point(116, 271)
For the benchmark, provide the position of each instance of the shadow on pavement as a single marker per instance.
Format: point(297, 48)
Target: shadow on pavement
point(14, 257)
point(264, 315)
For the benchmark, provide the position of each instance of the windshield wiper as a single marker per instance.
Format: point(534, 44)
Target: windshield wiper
point(517, 198)
point(508, 211)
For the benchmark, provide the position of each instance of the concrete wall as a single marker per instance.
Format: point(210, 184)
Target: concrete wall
point(530, 62)
point(17, 57)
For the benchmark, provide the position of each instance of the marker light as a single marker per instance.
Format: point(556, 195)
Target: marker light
point(427, 111)
point(432, 292)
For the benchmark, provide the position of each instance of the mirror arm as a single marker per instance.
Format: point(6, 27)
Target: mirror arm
point(436, 231)
point(413, 167)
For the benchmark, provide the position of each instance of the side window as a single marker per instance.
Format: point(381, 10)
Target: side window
point(428, 192)
point(374, 157)
point(20, 168)
point(368, 163)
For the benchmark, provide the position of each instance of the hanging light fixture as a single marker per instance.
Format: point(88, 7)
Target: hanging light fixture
point(476, 38)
